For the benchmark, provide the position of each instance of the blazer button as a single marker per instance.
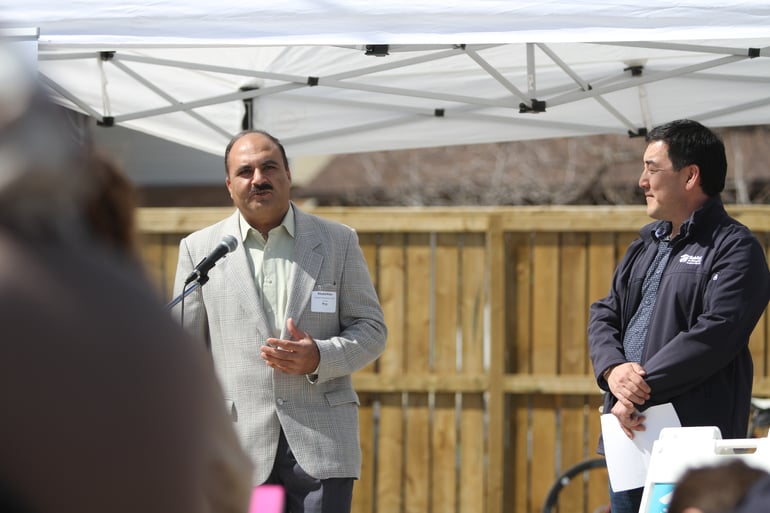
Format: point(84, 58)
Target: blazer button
point(280, 402)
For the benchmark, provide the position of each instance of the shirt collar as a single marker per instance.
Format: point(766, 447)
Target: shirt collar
point(662, 231)
point(287, 223)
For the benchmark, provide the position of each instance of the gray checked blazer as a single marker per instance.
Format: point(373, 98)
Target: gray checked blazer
point(319, 418)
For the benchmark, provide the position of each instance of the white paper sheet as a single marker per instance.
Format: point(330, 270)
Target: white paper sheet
point(628, 460)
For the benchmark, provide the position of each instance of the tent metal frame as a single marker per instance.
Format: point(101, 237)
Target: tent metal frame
point(532, 101)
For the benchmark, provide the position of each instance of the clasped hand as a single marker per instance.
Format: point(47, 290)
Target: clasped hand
point(627, 384)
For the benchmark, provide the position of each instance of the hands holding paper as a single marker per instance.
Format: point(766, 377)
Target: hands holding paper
point(627, 384)
point(630, 419)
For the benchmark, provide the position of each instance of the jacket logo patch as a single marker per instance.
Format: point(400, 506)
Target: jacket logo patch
point(691, 259)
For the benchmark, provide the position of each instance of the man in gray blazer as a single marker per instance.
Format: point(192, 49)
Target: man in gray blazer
point(287, 316)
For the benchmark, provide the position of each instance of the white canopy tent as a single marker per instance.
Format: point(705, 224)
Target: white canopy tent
point(343, 76)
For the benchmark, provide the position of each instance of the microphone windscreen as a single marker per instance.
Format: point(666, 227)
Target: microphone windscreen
point(231, 243)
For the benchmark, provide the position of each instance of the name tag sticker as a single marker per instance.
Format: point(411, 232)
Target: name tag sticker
point(323, 301)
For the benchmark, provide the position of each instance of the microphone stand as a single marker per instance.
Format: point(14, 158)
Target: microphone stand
point(200, 274)
point(197, 283)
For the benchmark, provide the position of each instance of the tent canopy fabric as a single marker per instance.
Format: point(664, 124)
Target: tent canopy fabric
point(343, 76)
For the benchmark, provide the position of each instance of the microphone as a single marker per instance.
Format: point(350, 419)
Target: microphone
point(228, 244)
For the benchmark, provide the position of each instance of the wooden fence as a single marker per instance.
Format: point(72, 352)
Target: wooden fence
point(485, 391)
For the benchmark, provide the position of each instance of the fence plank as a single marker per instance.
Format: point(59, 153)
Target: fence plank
point(444, 472)
point(390, 444)
point(573, 358)
point(545, 264)
point(473, 473)
point(417, 351)
point(519, 326)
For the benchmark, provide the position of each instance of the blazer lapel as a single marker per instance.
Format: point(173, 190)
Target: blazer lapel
point(239, 273)
point(307, 265)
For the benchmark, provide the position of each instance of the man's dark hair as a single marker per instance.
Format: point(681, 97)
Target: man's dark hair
point(689, 142)
point(714, 489)
point(256, 131)
point(11, 502)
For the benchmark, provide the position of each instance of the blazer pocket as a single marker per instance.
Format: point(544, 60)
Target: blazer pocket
point(343, 396)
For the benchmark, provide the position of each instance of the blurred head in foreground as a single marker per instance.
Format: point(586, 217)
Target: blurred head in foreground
point(107, 404)
point(43, 168)
point(54, 185)
point(718, 488)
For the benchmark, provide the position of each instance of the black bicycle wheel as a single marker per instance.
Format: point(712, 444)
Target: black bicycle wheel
point(564, 479)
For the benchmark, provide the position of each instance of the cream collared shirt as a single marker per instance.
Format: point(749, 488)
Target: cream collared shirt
point(271, 262)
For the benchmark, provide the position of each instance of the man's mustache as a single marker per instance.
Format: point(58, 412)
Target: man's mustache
point(260, 188)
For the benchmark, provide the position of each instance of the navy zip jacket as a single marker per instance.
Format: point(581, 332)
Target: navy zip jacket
point(712, 293)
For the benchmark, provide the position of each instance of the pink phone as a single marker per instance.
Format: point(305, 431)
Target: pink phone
point(267, 498)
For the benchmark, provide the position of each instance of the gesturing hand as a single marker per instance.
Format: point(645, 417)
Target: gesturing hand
point(297, 356)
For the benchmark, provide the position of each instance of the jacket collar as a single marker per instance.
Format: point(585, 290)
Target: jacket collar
point(711, 209)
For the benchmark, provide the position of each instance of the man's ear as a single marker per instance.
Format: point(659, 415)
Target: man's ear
point(693, 176)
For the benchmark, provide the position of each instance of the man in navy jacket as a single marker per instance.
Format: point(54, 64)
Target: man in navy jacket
point(684, 300)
